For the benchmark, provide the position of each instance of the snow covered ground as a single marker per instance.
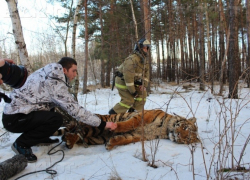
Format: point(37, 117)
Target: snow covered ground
point(219, 120)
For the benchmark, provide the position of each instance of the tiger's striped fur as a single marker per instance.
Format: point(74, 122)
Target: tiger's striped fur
point(156, 124)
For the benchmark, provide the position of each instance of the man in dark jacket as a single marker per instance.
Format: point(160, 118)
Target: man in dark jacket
point(130, 82)
point(29, 111)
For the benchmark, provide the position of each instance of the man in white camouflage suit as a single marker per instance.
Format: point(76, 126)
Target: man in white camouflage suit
point(129, 80)
point(30, 112)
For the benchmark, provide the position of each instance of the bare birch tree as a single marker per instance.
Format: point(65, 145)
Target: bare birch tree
point(67, 29)
point(18, 34)
point(76, 15)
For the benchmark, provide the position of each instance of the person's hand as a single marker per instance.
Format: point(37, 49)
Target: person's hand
point(142, 88)
point(2, 61)
point(110, 125)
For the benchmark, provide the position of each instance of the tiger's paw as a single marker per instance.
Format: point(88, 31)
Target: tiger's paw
point(111, 143)
point(108, 146)
point(71, 139)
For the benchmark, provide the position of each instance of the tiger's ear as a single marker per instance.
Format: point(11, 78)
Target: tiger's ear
point(193, 119)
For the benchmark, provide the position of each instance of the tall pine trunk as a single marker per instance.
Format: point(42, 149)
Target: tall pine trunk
point(248, 41)
point(102, 45)
point(232, 53)
point(208, 45)
point(201, 49)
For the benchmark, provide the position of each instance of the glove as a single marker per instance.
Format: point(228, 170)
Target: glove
point(138, 82)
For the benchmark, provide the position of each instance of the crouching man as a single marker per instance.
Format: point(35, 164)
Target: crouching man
point(29, 111)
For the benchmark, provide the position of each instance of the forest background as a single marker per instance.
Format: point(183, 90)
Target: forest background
point(192, 40)
point(200, 41)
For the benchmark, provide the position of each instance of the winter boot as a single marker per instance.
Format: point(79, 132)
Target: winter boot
point(111, 111)
point(26, 151)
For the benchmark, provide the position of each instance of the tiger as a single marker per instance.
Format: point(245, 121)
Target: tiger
point(156, 124)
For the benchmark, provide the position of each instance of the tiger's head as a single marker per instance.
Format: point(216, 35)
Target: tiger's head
point(182, 130)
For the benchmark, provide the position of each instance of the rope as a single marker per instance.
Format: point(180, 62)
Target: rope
point(48, 170)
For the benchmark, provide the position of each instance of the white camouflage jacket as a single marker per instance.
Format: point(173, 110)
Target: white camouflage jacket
point(45, 89)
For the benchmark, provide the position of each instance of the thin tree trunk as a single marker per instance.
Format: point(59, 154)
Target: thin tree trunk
point(221, 50)
point(102, 45)
point(182, 37)
point(85, 78)
point(248, 40)
point(243, 45)
point(223, 21)
point(18, 34)
point(163, 54)
point(190, 48)
point(213, 56)
point(111, 62)
point(208, 44)
point(146, 13)
point(201, 49)
point(174, 64)
point(134, 20)
point(67, 30)
point(224, 64)
point(76, 15)
point(195, 47)
point(158, 70)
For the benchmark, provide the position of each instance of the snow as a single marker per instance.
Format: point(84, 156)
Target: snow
point(217, 117)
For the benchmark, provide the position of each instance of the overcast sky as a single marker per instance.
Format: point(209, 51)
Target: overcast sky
point(34, 18)
point(35, 22)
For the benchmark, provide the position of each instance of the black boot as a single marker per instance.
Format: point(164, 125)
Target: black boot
point(111, 111)
point(26, 151)
point(131, 110)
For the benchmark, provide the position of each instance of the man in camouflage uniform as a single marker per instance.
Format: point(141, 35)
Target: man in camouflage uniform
point(129, 80)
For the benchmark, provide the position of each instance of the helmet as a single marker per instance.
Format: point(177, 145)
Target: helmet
point(140, 44)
